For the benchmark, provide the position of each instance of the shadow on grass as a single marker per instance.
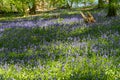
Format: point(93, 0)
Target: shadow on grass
point(31, 40)
point(88, 76)
point(22, 40)
point(30, 44)
point(45, 14)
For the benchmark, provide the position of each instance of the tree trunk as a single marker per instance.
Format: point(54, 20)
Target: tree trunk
point(112, 10)
point(100, 4)
point(33, 9)
point(68, 6)
point(71, 3)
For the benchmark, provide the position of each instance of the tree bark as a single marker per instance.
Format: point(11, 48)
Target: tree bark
point(33, 9)
point(112, 10)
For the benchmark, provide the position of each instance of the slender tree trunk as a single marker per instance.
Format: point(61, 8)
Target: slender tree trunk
point(71, 3)
point(100, 4)
point(68, 6)
point(33, 9)
point(85, 4)
point(11, 6)
point(112, 10)
point(23, 9)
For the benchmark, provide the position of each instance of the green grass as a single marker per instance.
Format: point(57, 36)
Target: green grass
point(60, 53)
point(60, 58)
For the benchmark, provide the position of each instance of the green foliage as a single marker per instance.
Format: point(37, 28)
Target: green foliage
point(59, 58)
point(23, 5)
point(61, 52)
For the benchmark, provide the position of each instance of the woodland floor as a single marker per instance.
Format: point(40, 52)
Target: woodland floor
point(59, 45)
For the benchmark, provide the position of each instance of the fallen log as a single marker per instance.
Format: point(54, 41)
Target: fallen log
point(89, 18)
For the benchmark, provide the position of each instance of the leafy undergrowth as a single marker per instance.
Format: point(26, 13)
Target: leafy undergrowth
point(62, 50)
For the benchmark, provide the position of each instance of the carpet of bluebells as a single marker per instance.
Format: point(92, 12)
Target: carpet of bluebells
point(60, 48)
